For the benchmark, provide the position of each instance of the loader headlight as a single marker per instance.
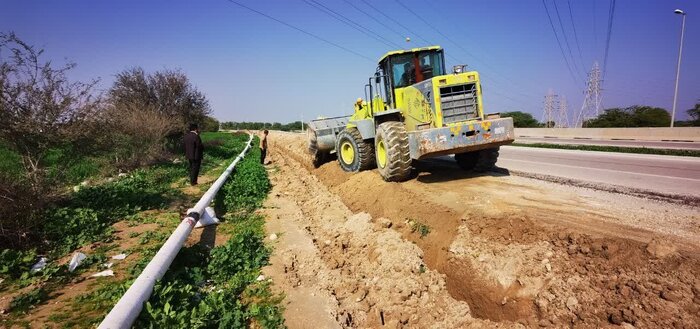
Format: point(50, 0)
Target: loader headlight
point(458, 69)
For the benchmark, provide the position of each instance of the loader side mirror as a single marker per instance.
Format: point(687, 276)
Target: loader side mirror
point(377, 78)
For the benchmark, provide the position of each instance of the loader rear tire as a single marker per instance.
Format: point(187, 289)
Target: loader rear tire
point(487, 159)
point(393, 154)
point(468, 160)
point(478, 161)
point(354, 154)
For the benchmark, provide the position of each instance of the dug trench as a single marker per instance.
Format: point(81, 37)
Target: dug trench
point(516, 251)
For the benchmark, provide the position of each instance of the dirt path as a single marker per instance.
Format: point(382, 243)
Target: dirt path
point(515, 250)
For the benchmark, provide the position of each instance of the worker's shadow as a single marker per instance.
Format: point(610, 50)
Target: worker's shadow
point(445, 169)
point(208, 237)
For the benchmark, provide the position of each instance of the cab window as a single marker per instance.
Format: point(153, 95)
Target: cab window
point(408, 69)
point(403, 71)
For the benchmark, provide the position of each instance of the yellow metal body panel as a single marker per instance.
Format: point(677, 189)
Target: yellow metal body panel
point(363, 111)
point(419, 111)
point(415, 108)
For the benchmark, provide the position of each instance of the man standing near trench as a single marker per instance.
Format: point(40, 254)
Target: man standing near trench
point(194, 151)
point(263, 146)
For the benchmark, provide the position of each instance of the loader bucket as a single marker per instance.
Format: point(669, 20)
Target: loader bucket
point(322, 133)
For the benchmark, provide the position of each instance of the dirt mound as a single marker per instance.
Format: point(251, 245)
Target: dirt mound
point(622, 282)
point(373, 276)
point(518, 252)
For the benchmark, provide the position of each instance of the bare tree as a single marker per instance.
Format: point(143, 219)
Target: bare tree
point(167, 92)
point(138, 134)
point(39, 107)
point(40, 110)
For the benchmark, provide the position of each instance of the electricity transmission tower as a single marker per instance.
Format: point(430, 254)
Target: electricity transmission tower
point(551, 104)
point(591, 102)
point(562, 114)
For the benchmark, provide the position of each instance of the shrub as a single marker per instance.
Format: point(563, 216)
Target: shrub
point(21, 209)
point(14, 263)
point(24, 301)
point(244, 253)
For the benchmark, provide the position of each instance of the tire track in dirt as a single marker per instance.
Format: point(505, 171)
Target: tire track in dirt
point(509, 267)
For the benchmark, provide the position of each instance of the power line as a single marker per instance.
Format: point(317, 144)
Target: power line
point(611, 17)
point(573, 26)
point(595, 30)
point(302, 31)
point(566, 41)
point(341, 18)
point(436, 30)
point(568, 66)
point(388, 27)
point(397, 22)
point(493, 70)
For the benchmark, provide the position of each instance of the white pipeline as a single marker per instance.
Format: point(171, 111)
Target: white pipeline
point(128, 308)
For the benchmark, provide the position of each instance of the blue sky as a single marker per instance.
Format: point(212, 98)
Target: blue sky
point(255, 69)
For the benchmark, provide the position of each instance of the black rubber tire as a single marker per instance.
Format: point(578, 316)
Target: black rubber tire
point(364, 151)
point(398, 155)
point(487, 159)
point(478, 161)
point(467, 161)
point(318, 158)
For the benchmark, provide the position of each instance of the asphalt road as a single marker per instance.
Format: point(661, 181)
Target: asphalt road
point(605, 142)
point(664, 174)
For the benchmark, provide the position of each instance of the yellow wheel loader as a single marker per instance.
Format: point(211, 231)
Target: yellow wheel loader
point(413, 109)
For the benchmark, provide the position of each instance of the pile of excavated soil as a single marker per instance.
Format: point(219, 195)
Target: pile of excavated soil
point(518, 250)
point(351, 268)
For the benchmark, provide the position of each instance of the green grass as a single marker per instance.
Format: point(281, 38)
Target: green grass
point(202, 288)
point(618, 149)
point(219, 289)
point(87, 216)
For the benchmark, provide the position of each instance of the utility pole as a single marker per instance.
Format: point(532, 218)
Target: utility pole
point(551, 103)
point(678, 67)
point(302, 123)
point(562, 114)
point(592, 99)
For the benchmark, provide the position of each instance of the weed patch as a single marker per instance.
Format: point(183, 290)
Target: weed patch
point(419, 227)
point(219, 288)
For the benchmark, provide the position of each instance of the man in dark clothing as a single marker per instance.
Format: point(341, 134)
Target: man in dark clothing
point(263, 146)
point(194, 152)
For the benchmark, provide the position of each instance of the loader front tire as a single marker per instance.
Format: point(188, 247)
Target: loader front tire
point(354, 154)
point(393, 154)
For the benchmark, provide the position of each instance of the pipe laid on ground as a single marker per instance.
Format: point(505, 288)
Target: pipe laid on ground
point(129, 307)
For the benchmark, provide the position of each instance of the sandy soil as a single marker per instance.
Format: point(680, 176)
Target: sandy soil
point(501, 251)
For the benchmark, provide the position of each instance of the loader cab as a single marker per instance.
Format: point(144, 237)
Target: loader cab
point(404, 68)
